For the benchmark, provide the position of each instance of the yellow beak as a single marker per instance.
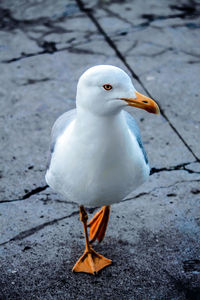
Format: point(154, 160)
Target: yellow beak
point(143, 102)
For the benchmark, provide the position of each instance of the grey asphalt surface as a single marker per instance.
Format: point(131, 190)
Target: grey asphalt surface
point(154, 238)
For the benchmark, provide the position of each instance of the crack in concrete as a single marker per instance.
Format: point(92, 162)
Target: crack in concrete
point(189, 25)
point(8, 22)
point(193, 61)
point(154, 54)
point(50, 48)
point(26, 233)
point(137, 196)
point(187, 11)
point(191, 54)
point(175, 183)
point(84, 51)
point(174, 168)
point(160, 187)
point(110, 42)
point(35, 191)
point(33, 81)
point(131, 47)
point(118, 16)
point(152, 17)
point(28, 194)
point(48, 199)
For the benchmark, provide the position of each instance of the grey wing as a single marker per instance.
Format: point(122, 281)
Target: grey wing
point(59, 126)
point(136, 132)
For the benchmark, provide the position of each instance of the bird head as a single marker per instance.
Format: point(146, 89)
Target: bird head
point(106, 89)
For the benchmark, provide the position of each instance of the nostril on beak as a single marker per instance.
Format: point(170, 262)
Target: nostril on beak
point(145, 101)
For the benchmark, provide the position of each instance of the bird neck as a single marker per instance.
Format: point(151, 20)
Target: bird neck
point(85, 116)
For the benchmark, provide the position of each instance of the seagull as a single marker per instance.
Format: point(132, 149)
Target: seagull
point(97, 155)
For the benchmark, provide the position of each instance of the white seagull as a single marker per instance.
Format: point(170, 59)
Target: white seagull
point(97, 156)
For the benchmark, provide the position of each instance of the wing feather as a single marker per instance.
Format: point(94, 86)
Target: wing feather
point(58, 128)
point(136, 132)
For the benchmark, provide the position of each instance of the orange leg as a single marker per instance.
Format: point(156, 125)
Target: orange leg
point(98, 224)
point(90, 262)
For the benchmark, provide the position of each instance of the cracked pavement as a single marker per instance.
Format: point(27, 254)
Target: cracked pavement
point(153, 240)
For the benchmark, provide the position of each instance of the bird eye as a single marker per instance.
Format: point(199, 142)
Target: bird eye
point(107, 87)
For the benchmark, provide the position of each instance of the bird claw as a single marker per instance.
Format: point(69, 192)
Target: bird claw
point(91, 262)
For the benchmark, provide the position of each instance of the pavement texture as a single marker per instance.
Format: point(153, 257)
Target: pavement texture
point(154, 238)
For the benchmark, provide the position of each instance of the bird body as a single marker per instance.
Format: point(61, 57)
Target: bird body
point(97, 156)
point(97, 160)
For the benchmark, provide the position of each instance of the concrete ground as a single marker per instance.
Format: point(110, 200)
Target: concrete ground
point(153, 240)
